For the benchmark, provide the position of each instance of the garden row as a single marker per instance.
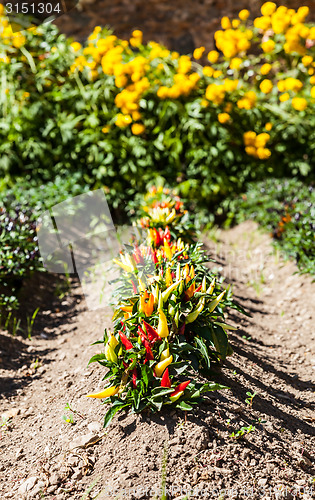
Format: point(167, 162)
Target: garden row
point(169, 317)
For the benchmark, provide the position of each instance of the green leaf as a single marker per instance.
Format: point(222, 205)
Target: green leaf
point(220, 340)
point(112, 412)
point(97, 357)
point(184, 406)
point(203, 350)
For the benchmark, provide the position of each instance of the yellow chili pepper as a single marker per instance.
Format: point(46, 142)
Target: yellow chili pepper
point(168, 277)
point(211, 287)
point(167, 250)
point(110, 391)
point(165, 354)
point(194, 314)
point(110, 354)
point(169, 290)
point(125, 267)
point(163, 330)
point(113, 341)
point(216, 301)
point(162, 365)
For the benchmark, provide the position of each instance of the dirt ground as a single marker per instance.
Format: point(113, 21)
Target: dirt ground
point(194, 454)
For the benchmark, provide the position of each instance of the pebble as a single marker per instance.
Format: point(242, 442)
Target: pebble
point(84, 440)
point(10, 413)
point(19, 453)
point(27, 485)
point(94, 426)
point(54, 479)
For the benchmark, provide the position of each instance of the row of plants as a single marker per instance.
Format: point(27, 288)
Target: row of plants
point(168, 325)
point(122, 112)
point(286, 209)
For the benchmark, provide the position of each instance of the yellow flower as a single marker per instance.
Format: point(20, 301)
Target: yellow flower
point(299, 103)
point(261, 140)
point(263, 153)
point(268, 126)
point(307, 60)
point(106, 129)
point(244, 14)
point(284, 97)
point(262, 23)
point(75, 46)
point(138, 128)
point(236, 23)
point(208, 71)
point(235, 63)
point(223, 117)
point(123, 120)
point(136, 38)
point(249, 138)
point(268, 8)
point(217, 73)
point(313, 92)
point(250, 150)
point(213, 56)
point(265, 69)
point(312, 80)
point(266, 86)
point(226, 23)
point(248, 101)
point(198, 53)
point(268, 46)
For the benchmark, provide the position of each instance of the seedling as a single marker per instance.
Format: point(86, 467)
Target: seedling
point(30, 323)
point(242, 431)
point(250, 398)
point(69, 417)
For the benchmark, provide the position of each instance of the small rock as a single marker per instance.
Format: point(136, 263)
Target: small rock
point(27, 485)
point(94, 427)
point(19, 453)
point(10, 413)
point(82, 441)
point(54, 479)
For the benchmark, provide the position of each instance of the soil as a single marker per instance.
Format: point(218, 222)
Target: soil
point(43, 456)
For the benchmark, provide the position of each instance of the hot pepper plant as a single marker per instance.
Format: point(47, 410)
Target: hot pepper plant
point(169, 325)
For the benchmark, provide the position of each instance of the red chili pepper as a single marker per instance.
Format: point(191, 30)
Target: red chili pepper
point(149, 355)
point(155, 259)
point(165, 382)
point(152, 334)
point(134, 377)
point(123, 324)
point(128, 345)
point(198, 289)
point(180, 388)
point(125, 365)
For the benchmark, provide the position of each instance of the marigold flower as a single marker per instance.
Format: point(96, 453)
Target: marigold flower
point(268, 8)
point(198, 53)
point(244, 14)
point(263, 153)
point(236, 63)
point(284, 97)
point(268, 126)
point(299, 103)
point(138, 128)
point(226, 23)
point(268, 46)
point(266, 86)
point(223, 117)
point(313, 92)
point(265, 69)
point(307, 60)
point(249, 138)
point(75, 46)
point(213, 56)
